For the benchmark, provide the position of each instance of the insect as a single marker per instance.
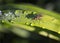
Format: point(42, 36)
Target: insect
point(34, 16)
point(37, 17)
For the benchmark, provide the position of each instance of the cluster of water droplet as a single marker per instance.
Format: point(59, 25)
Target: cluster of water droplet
point(8, 15)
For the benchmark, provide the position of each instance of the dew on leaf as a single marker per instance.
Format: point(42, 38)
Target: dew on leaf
point(32, 24)
point(6, 14)
point(12, 21)
point(43, 27)
point(3, 21)
point(17, 13)
point(59, 32)
point(55, 20)
point(10, 12)
point(0, 12)
point(27, 23)
point(34, 12)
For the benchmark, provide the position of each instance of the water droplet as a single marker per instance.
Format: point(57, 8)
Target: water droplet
point(3, 21)
point(34, 12)
point(59, 32)
point(10, 12)
point(0, 12)
point(12, 21)
point(15, 18)
point(55, 20)
point(6, 14)
point(32, 24)
point(43, 27)
point(25, 12)
point(27, 23)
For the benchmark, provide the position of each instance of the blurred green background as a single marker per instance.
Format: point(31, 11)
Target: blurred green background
point(46, 4)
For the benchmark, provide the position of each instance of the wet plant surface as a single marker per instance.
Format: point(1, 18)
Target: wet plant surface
point(40, 25)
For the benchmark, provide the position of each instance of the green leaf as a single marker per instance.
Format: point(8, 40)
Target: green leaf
point(48, 23)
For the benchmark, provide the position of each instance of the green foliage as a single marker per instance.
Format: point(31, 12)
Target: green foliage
point(23, 18)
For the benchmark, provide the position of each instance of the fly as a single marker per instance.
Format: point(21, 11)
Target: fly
point(37, 17)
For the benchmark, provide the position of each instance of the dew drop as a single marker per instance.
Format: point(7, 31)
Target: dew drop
point(10, 12)
point(34, 12)
point(0, 12)
point(32, 24)
point(6, 14)
point(59, 32)
point(43, 27)
point(15, 18)
point(55, 20)
point(27, 23)
point(2, 21)
point(12, 21)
